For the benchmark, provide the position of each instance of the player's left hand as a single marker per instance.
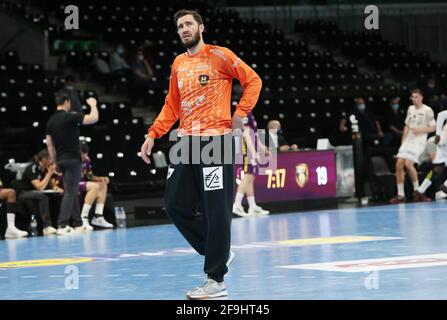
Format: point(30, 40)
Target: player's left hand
point(237, 125)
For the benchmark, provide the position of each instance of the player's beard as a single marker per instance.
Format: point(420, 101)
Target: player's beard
point(195, 39)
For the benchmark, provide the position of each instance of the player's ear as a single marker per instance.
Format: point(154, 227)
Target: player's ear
point(201, 27)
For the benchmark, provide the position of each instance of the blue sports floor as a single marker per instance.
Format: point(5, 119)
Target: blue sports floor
point(387, 252)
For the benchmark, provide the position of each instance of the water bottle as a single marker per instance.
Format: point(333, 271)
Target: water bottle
point(33, 226)
point(117, 216)
point(120, 216)
point(123, 217)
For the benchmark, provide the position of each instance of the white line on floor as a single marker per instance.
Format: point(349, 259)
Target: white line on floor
point(140, 275)
point(28, 276)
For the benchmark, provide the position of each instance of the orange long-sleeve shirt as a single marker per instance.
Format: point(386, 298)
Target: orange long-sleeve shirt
point(200, 93)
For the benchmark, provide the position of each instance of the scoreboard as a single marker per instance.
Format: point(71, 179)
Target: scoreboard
point(298, 175)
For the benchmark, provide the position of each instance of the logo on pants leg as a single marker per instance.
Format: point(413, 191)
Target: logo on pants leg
point(213, 178)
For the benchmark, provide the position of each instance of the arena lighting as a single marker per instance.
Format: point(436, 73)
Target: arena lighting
point(35, 124)
point(99, 156)
point(111, 174)
point(2, 109)
point(133, 173)
point(153, 171)
point(44, 108)
point(23, 108)
point(116, 121)
point(127, 137)
point(88, 139)
point(107, 138)
point(139, 154)
point(120, 155)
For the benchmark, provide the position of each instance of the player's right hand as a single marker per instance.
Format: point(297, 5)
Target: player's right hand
point(146, 149)
point(51, 169)
point(92, 102)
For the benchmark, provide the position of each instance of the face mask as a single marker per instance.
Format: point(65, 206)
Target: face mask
point(361, 107)
point(395, 107)
point(119, 50)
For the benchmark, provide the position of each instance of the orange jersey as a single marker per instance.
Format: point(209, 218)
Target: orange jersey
point(200, 93)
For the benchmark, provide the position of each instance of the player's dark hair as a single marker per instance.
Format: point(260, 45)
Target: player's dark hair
point(61, 96)
point(417, 91)
point(43, 154)
point(184, 12)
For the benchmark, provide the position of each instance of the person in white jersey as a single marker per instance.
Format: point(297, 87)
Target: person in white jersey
point(437, 175)
point(420, 121)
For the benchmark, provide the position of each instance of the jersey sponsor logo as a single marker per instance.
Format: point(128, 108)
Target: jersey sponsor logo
point(301, 174)
point(187, 104)
point(200, 100)
point(200, 66)
point(213, 178)
point(204, 79)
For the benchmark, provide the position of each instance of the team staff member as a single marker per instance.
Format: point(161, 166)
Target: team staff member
point(200, 96)
point(65, 149)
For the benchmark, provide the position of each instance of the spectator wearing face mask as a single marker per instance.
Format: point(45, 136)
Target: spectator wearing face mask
point(142, 73)
point(431, 92)
point(117, 62)
point(274, 127)
point(393, 123)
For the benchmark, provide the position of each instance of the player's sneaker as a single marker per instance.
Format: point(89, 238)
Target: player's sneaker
point(83, 228)
point(440, 195)
point(14, 233)
point(398, 199)
point(420, 197)
point(99, 221)
point(86, 225)
point(62, 231)
point(257, 211)
point(231, 258)
point(210, 289)
point(239, 210)
point(49, 231)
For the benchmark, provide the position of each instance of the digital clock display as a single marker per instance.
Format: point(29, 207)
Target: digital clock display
point(298, 176)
